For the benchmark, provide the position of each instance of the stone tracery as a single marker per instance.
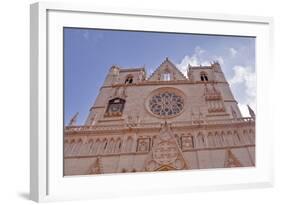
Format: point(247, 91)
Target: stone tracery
point(166, 104)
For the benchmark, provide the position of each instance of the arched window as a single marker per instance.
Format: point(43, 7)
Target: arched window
point(129, 144)
point(118, 145)
point(129, 79)
point(203, 76)
point(91, 145)
point(167, 76)
point(200, 140)
point(66, 146)
point(115, 107)
point(77, 147)
point(102, 146)
point(97, 146)
point(71, 147)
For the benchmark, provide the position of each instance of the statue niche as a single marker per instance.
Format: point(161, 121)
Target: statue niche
point(115, 107)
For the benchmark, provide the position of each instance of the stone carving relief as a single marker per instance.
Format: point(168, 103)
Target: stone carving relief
point(165, 153)
point(119, 92)
point(214, 99)
point(143, 145)
point(197, 117)
point(186, 142)
point(96, 167)
point(133, 120)
point(231, 160)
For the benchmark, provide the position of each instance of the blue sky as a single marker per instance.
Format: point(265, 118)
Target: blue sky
point(89, 53)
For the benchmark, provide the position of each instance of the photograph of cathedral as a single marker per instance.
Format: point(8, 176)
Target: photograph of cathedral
point(186, 111)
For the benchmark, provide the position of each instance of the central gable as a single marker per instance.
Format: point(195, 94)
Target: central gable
point(166, 71)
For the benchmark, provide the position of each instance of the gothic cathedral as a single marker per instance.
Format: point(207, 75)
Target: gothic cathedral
point(165, 121)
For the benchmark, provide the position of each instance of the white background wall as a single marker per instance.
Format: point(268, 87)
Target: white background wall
point(14, 103)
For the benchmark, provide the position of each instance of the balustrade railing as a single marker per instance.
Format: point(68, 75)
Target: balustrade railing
point(157, 124)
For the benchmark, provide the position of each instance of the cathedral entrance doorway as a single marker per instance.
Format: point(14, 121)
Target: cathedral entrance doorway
point(165, 168)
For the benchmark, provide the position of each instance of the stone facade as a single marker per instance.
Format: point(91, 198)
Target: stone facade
point(162, 122)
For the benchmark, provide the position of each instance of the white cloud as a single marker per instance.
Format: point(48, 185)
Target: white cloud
point(199, 51)
point(199, 57)
point(219, 59)
point(245, 77)
point(232, 52)
point(244, 110)
point(150, 71)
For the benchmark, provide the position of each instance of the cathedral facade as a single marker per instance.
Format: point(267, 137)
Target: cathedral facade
point(165, 121)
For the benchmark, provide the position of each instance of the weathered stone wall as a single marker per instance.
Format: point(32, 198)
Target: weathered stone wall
point(209, 130)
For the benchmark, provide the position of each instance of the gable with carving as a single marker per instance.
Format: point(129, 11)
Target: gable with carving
point(167, 71)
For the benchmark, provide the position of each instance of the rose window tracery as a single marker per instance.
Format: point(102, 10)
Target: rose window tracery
point(166, 104)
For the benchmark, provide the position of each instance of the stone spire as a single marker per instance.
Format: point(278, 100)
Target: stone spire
point(73, 120)
point(251, 112)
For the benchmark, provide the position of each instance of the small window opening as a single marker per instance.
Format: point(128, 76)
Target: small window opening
point(203, 76)
point(129, 80)
point(167, 76)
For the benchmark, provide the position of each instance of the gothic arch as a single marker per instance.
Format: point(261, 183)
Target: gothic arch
point(246, 137)
point(200, 141)
point(153, 140)
point(66, 146)
point(97, 146)
point(71, 146)
point(229, 138)
point(217, 139)
point(222, 137)
point(84, 150)
point(210, 139)
point(77, 147)
point(103, 146)
point(165, 168)
point(167, 75)
point(252, 136)
point(203, 76)
point(110, 147)
point(129, 79)
point(90, 144)
point(118, 145)
point(129, 144)
point(237, 138)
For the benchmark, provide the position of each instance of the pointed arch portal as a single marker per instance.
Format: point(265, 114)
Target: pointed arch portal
point(165, 168)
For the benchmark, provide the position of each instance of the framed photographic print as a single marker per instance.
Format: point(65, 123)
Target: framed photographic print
point(127, 102)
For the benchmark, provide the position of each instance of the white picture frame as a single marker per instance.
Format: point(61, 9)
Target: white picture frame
point(46, 160)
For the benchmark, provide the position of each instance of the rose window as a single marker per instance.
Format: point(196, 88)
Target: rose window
point(166, 104)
